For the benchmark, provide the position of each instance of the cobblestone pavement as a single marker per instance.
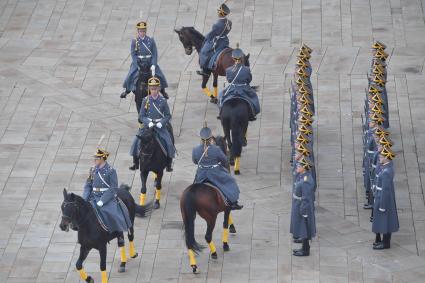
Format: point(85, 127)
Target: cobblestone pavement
point(62, 63)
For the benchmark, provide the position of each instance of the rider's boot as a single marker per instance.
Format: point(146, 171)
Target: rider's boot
point(124, 93)
point(135, 164)
point(203, 72)
point(235, 206)
point(169, 167)
point(164, 94)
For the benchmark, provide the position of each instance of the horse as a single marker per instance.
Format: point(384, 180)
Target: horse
point(234, 116)
point(142, 83)
point(191, 38)
point(80, 215)
point(208, 203)
point(152, 159)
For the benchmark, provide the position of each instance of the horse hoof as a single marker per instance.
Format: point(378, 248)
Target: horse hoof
point(194, 268)
point(136, 254)
point(226, 247)
point(232, 229)
point(213, 100)
point(121, 269)
point(237, 172)
point(89, 280)
point(156, 205)
point(214, 255)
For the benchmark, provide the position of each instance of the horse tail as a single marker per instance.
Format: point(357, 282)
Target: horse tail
point(143, 210)
point(188, 210)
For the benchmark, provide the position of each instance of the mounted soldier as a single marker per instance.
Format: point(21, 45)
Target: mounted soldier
point(215, 41)
point(239, 77)
point(100, 190)
point(212, 168)
point(143, 48)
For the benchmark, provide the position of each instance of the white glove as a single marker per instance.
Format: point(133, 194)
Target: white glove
point(305, 216)
point(382, 210)
point(99, 203)
point(153, 70)
point(150, 125)
point(159, 125)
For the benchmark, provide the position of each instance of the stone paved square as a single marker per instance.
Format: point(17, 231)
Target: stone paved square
point(62, 64)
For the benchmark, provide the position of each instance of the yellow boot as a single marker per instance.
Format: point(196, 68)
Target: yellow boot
point(207, 92)
point(215, 92)
point(156, 204)
point(142, 199)
point(104, 276)
point(192, 260)
point(83, 274)
point(237, 165)
point(132, 250)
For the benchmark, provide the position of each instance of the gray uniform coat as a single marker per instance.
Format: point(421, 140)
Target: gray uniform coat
point(113, 213)
point(212, 168)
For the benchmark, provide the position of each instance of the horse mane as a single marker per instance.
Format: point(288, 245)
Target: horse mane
point(198, 36)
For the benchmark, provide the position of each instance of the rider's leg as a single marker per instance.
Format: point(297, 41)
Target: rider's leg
point(135, 165)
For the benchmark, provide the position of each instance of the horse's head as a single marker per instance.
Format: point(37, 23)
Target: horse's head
point(70, 208)
point(190, 38)
point(144, 69)
point(147, 140)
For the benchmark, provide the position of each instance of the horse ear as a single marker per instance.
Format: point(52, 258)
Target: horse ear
point(65, 194)
point(247, 56)
point(177, 31)
point(72, 196)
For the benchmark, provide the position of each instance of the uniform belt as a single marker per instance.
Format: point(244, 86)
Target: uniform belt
point(144, 56)
point(370, 151)
point(296, 197)
point(224, 36)
point(209, 166)
point(155, 120)
point(238, 84)
point(378, 188)
point(100, 189)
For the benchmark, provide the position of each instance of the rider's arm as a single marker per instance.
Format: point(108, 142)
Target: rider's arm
point(166, 112)
point(133, 51)
point(143, 116)
point(215, 31)
point(154, 59)
point(109, 194)
point(195, 157)
point(88, 188)
point(222, 158)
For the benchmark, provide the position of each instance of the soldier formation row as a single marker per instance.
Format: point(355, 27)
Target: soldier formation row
point(378, 167)
point(303, 224)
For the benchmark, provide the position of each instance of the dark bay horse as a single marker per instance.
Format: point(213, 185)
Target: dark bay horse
point(152, 159)
point(191, 38)
point(208, 203)
point(80, 215)
point(234, 116)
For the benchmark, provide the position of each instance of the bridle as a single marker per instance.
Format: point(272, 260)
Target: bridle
point(71, 218)
point(146, 156)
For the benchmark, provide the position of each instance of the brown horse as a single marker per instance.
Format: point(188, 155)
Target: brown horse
point(208, 203)
point(190, 38)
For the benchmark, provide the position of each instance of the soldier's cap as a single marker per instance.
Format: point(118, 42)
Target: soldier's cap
point(385, 141)
point(306, 110)
point(387, 153)
point(305, 48)
point(302, 139)
point(101, 153)
point(304, 99)
point(301, 148)
point(378, 70)
point(141, 25)
point(302, 72)
point(205, 132)
point(305, 129)
point(377, 109)
point(305, 163)
point(237, 53)
point(377, 98)
point(381, 54)
point(380, 131)
point(374, 89)
point(154, 81)
point(223, 10)
point(304, 89)
point(378, 45)
point(379, 62)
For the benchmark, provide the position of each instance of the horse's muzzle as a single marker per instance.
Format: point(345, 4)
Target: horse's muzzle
point(188, 51)
point(64, 225)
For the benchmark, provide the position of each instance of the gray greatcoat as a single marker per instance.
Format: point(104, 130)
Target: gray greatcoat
point(143, 47)
point(113, 213)
point(212, 168)
point(385, 217)
point(239, 78)
point(215, 41)
point(303, 222)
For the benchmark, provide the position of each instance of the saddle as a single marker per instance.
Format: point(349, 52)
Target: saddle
point(226, 202)
point(216, 56)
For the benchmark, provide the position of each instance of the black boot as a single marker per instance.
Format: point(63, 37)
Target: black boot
point(385, 244)
point(203, 72)
point(169, 167)
point(124, 94)
point(164, 94)
point(135, 164)
point(297, 240)
point(235, 206)
point(377, 239)
point(305, 249)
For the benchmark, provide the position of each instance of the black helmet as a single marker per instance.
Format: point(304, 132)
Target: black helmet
point(237, 53)
point(205, 132)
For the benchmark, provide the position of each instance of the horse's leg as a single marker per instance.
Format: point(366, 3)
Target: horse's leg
point(232, 228)
point(225, 238)
point(208, 237)
point(84, 252)
point(132, 249)
point(226, 129)
point(158, 186)
point(102, 253)
point(123, 256)
point(205, 89)
point(245, 135)
point(215, 86)
point(143, 177)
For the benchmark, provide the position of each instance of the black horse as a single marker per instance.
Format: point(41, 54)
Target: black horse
point(234, 116)
point(152, 159)
point(191, 38)
point(80, 215)
point(208, 203)
point(142, 83)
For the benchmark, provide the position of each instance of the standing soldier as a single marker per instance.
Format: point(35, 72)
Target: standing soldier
point(143, 48)
point(385, 218)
